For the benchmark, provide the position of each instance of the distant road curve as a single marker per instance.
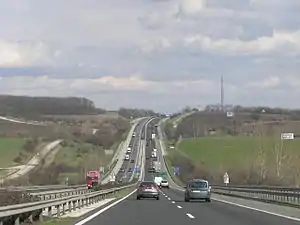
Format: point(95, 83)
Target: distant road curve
point(33, 162)
point(23, 122)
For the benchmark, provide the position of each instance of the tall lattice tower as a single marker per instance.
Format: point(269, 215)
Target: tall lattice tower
point(222, 94)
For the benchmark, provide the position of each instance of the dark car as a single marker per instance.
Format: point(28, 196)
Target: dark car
point(132, 161)
point(151, 170)
point(197, 189)
point(130, 170)
point(147, 189)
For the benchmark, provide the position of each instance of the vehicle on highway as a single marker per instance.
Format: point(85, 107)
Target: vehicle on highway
point(147, 144)
point(132, 161)
point(127, 157)
point(130, 170)
point(147, 157)
point(151, 170)
point(197, 189)
point(153, 155)
point(147, 189)
point(92, 179)
point(122, 170)
point(128, 150)
point(133, 134)
point(164, 184)
point(154, 150)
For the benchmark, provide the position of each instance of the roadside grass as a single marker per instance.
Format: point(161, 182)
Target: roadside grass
point(59, 221)
point(79, 158)
point(123, 193)
point(247, 159)
point(9, 150)
point(233, 151)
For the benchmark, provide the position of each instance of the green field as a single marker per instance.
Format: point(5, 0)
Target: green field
point(9, 150)
point(237, 151)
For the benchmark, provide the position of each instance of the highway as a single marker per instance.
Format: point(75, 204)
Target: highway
point(134, 143)
point(171, 209)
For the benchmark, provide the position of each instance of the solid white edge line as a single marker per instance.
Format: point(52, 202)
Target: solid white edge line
point(252, 208)
point(258, 210)
point(104, 209)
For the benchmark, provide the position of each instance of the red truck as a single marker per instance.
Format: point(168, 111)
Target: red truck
point(92, 179)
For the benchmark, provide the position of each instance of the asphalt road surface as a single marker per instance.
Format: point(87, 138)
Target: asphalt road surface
point(134, 143)
point(171, 209)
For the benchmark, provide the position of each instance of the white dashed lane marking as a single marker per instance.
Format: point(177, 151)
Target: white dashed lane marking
point(190, 216)
point(179, 207)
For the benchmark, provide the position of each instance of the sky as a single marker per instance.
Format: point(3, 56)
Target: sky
point(157, 54)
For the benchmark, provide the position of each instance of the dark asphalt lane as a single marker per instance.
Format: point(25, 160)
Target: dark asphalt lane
point(137, 212)
point(220, 213)
point(134, 148)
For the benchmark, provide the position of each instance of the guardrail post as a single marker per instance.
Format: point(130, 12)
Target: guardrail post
point(17, 220)
point(64, 209)
point(74, 205)
point(57, 210)
point(1, 222)
point(70, 207)
point(30, 218)
point(41, 218)
point(50, 211)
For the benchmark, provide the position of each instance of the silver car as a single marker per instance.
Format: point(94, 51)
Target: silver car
point(197, 189)
point(147, 189)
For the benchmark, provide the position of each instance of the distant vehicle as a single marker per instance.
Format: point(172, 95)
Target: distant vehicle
point(147, 189)
point(157, 180)
point(127, 157)
point(92, 179)
point(153, 155)
point(151, 170)
point(132, 161)
point(147, 157)
point(128, 150)
point(122, 170)
point(164, 184)
point(130, 170)
point(133, 134)
point(154, 150)
point(197, 189)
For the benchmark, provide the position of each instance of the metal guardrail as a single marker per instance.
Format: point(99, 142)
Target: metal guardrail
point(279, 195)
point(15, 214)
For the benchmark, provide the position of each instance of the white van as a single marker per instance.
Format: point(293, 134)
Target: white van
point(127, 157)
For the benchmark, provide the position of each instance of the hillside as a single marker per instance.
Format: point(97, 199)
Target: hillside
point(33, 107)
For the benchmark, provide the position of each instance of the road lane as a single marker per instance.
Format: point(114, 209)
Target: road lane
point(134, 143)
point(225, 214)
point(146, 212)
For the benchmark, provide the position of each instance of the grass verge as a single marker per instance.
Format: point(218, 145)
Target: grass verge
point(9, 150)
point(248, 160)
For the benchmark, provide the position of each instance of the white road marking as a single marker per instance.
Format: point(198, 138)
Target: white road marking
point(179, 207)
point(190, 215)
point(258, 210)
point(104, 209)
point(173, 202)
point(87, 209)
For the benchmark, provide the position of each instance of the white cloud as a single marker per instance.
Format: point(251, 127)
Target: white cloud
point(160, 54)
point(281, 42)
